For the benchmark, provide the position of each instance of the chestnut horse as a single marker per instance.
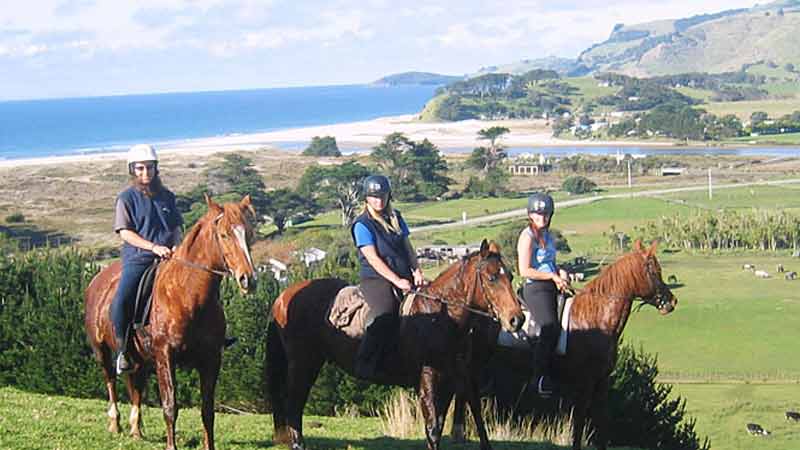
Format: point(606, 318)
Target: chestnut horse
point(433, 342)
point(187, 324)
point(598, 315)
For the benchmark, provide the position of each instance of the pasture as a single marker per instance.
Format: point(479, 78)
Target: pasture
point(35, 421)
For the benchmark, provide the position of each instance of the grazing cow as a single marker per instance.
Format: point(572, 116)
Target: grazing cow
point(779, 268)
point(750, 267)
point(790, 275)
point(672, 279)
point(756, 430)
point(761, 274)
point(793, 415)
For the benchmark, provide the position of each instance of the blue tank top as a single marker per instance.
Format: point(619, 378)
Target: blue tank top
point(543, 259)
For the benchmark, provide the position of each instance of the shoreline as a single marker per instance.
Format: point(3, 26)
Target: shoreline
point(448, 136)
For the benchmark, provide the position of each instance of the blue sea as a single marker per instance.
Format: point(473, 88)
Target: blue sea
point(39, 128)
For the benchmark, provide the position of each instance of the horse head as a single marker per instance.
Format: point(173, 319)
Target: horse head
point(233, 232)
point(489, 287)
point(654, 291)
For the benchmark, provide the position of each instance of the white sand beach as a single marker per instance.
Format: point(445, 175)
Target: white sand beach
point(363, 134)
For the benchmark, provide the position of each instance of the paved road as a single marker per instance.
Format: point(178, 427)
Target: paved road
point(521, 213)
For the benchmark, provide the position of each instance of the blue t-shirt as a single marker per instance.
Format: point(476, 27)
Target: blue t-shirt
point(543, 259)
point(364, 237)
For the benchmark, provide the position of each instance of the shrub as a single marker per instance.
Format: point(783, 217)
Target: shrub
point(578, 185)
point(322, 146)
point(15, 218)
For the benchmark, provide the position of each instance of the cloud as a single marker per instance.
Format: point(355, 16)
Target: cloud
point(71, 7)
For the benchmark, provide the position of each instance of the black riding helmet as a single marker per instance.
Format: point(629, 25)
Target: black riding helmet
point(541, 203)
point(377, 186)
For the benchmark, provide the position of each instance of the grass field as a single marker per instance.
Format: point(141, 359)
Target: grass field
point(780, 139)
point(35, 422)
point(743, 110)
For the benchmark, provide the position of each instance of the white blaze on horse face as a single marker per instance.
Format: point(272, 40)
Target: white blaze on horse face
point(241, 238)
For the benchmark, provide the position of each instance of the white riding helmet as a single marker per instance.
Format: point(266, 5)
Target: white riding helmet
point(141, 153)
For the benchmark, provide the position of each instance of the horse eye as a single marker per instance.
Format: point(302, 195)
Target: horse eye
point(493, 278)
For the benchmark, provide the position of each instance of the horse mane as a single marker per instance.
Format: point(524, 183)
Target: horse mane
point(621, 276)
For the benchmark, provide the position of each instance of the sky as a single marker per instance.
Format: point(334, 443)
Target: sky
point(75, 48)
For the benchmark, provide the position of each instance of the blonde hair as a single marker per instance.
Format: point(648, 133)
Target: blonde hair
point(392, 225)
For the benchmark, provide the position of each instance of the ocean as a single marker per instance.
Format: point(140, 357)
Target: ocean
point(41, 128)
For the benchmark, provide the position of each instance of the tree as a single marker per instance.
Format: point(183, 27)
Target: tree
point(335, 187)
point(487, 158)
point(236, 174)
point(282, 204)
point(789, 67)
point(416, 169)
point(322, 146)
point(758, 117)
point(578, 185)
point(490, 184)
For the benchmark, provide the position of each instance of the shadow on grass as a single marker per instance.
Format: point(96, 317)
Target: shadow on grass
point(389, 443)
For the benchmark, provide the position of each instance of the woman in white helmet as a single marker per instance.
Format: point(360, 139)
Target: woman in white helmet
point(149, 223)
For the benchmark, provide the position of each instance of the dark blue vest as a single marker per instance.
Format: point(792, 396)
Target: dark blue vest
point(153, 219)
point(389, 246)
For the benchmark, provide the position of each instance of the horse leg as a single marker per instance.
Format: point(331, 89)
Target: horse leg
point(427, 396)
point(165, 370)
point(109, 374)
point(477, 414)
point(276, 367)
point(136, 382)
point(459, 432)
point(209, 373)
point(579, 412)
point(302, 374)
point(599, 410)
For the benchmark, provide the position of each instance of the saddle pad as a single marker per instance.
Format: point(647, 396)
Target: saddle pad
point(561, 347)
point(349, 311)
point(144, 296)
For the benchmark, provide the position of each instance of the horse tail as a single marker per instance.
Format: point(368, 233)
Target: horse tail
point(277, 370)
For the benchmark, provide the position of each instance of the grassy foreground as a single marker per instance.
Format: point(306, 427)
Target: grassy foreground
point(36, 421)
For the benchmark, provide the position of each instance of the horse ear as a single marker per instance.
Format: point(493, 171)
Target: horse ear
point(211, 203)
point(494, 248)
point(638, 246)
point(653, 246)
point(484, 248)
point(247, 204)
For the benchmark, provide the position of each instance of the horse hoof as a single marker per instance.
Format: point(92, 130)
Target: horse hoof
point(136, 435)
point(458, 435)
point(114, 428)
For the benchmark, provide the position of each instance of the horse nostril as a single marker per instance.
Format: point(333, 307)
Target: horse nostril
point(244, 282)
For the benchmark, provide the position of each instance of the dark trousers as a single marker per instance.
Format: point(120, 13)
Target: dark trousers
point(540, 297)
point(382, 297)
point(125, 298)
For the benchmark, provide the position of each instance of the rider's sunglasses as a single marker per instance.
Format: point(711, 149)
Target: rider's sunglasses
point(143, 167)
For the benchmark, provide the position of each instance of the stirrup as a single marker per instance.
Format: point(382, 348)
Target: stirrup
point(122, 364)
point(542, 390)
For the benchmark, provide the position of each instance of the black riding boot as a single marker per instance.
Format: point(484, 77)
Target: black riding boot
point(373, 346)
point(543, 361)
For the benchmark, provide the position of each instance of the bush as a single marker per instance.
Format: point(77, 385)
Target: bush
point(15, 218)
point(322, 146)
point(578, 185)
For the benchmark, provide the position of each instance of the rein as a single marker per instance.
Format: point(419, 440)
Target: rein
point(194, 265)
point(465, 304)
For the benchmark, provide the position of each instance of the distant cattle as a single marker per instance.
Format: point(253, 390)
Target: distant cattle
point(796, 254)
point(779, 268)
point(793, 415)
point(756, 429)
point(790, 275)
point(672, 279)
point(748, 267)
point(761, 274)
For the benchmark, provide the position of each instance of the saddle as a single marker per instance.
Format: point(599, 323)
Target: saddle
point(529, 333)
point(144, 297)
point(349, 310)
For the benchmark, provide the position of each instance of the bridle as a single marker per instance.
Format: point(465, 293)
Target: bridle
point(228, 272)
point(661, 298)
point(479, 283)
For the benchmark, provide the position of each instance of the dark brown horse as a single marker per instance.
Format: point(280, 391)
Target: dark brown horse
point(187, 324)
point(598, 316)
point(432, 350)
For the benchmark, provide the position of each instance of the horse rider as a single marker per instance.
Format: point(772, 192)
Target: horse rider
point(536, 249)
point(148, 222)
point(388, 267)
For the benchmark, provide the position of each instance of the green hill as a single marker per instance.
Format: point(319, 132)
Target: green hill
point(714, 43)
point(416, 78)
